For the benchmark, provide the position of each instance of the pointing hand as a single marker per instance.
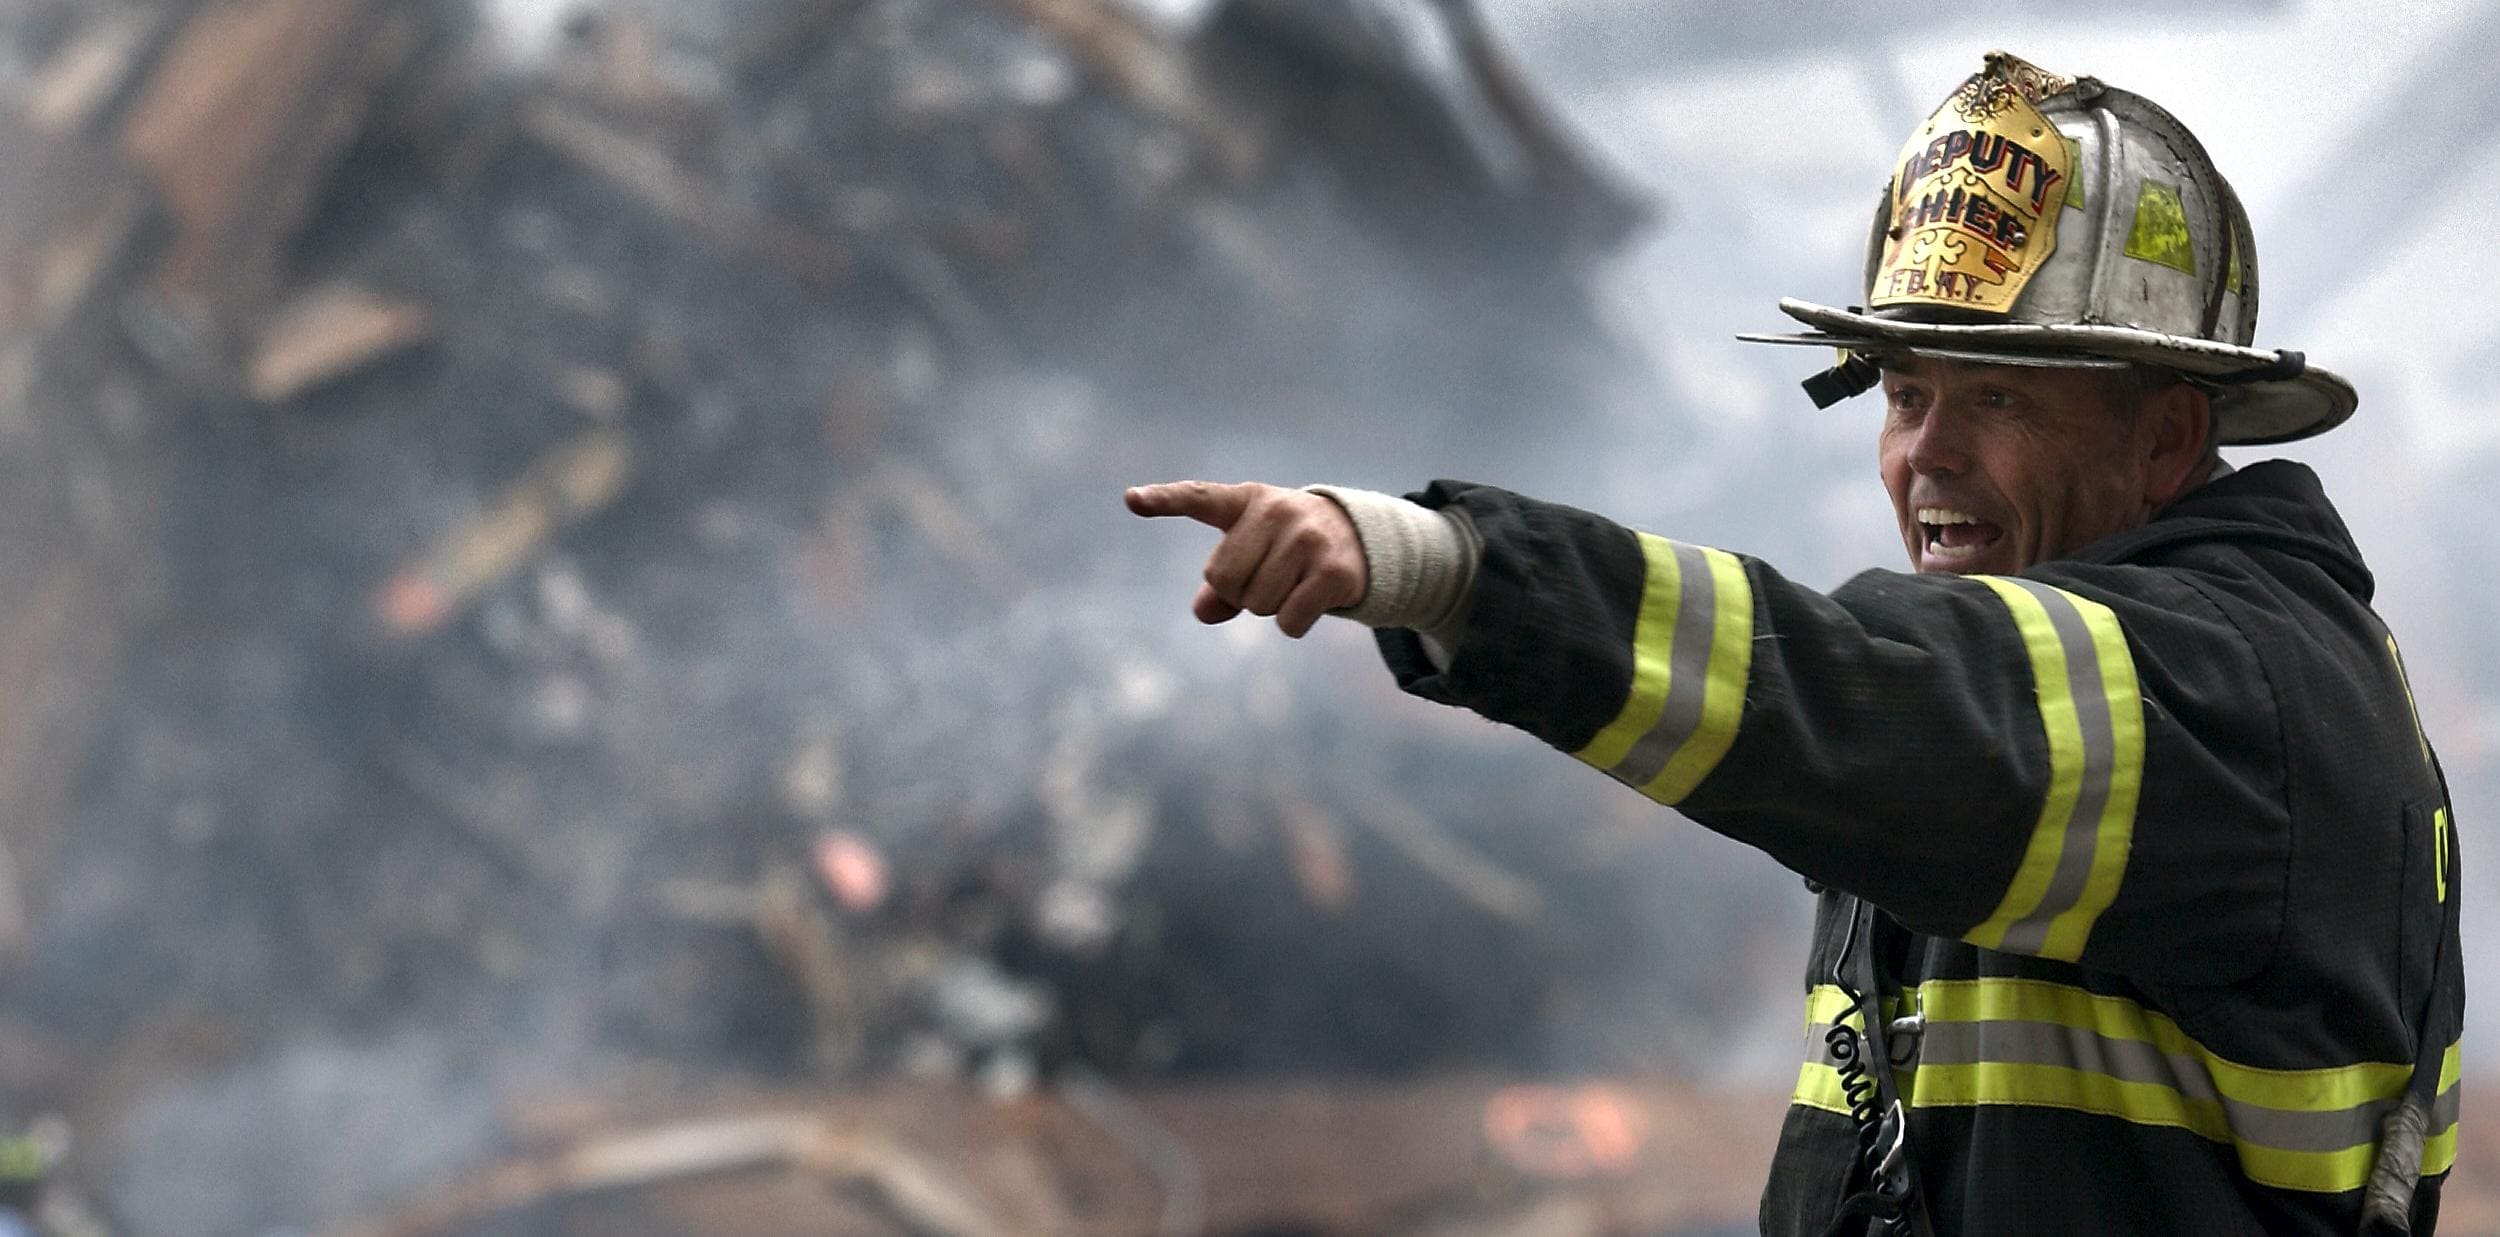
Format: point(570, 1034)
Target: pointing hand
point(1287, 553)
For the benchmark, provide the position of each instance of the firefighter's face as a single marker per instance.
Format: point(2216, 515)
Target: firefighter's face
point(1994, 468)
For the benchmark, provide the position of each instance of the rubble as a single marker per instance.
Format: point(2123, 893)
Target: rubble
point(327, 334)
point(572, 482)
point(609, 571)
point(1397, 1159)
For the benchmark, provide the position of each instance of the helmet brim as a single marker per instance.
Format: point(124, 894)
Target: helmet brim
point(2303, 405)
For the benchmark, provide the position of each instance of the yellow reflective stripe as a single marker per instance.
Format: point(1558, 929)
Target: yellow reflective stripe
point(2439, 1151)
point(2092, 715)
point(2351, 1089)
point(2317, 1090)
point(1818, 1086)
point(1691, 657)
point(1653, 639)
point(1723, 698)
point(2319, 1172)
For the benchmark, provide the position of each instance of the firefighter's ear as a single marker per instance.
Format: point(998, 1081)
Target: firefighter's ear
point(2175, 428)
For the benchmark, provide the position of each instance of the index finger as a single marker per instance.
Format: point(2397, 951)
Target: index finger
point(1207, 502)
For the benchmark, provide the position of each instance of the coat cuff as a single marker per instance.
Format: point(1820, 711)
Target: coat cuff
point(1422, 561)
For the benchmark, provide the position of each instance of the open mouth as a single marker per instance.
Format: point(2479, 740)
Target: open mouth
point(1950, 537)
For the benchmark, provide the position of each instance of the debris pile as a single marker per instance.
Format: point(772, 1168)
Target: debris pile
point(604, 578)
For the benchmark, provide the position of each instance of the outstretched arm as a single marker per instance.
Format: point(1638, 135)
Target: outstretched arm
point(1971, 754)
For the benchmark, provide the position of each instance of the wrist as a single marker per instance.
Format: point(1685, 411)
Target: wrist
point(1421, 561)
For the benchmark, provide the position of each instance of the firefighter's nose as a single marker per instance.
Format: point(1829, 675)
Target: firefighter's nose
point(1939, 447)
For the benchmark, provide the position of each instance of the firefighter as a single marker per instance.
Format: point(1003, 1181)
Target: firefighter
point(2138, 879)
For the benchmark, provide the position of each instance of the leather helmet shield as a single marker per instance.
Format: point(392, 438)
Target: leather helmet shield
point(1976, 195)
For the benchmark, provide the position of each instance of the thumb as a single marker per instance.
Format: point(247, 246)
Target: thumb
point(1207, 502)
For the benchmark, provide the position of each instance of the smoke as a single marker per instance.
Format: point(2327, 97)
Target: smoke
point(386, 875)
point(340, 899)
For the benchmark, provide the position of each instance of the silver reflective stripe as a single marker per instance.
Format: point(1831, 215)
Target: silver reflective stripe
point(2030, 934)
point(1688, 672)
point(1819, 1048)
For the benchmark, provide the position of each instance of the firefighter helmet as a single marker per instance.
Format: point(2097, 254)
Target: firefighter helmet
point(2042, 220)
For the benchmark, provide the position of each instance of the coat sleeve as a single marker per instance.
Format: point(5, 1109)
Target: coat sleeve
point(2081, 764)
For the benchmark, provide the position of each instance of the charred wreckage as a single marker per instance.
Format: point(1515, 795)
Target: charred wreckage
point(548, 682)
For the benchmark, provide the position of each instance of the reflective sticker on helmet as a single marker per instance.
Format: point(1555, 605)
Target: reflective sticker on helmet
point(2074, 184)
point(2232, 280)
point(1976, 198)
point(2160, 231)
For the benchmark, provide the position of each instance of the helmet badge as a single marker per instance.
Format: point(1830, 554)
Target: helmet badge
point(1976, 194)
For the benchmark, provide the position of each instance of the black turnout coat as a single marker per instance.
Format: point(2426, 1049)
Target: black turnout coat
point(2164, 863)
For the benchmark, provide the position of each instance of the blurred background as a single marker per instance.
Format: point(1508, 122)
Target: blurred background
point(571, 662)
